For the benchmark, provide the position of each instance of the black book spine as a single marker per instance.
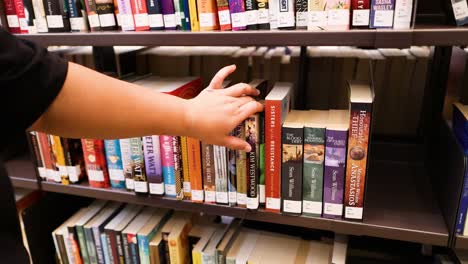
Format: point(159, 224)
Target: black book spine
point(263, 14)
point(291, 170)
point(252, 14)
point(126, 248)
point(57, 15)
point(120, 248)
point(105, 10)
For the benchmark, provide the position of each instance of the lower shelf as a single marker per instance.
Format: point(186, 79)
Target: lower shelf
point(399, 206)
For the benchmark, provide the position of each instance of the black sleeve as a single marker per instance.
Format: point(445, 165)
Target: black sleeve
point(30, 79)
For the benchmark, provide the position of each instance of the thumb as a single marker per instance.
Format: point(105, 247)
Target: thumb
point(236, 143)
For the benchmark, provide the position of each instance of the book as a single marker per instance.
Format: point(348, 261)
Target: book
point(54, 171)
point(126, 15)
point(139, 174)
point(314, 155)
point(95, 160)
point(46, 155)
point(338, 14)
point(155, 15)
point(224, 15)
point(336, 135)
point(252, 134)
point(114, 163)
point(252, 14)
point(263, 20)
point(292, 158)
point(241, 169)
point(238, 15)
point(227, 241)
point(221, 175)
point(460, 125)
point(74, 159)
point(73, 235)
point(360, 13)
point(207, 14)
point(3, 18)
point(78, 20)
point(57, 16)
point(403, 14)
point(148, 231)
point(107, 237)
point(167, 162)
point(302, 13)
point(140, 15)
point(460, 11)
point(178, 242)
point(38, 157)
point(40, 17)
point(127, 163)
point(381, 14)
point(273, 13)
point(185, 168)
point(193, 12)
point(178, 18)
point(169, 17)
point(243, 246)
point(14, 11)
point(232, 176)
point(199, 237)
point(277, 104)
point(105, 11)
point(153, 167)
point(58, 160)
point(270, 248)
point(185, 15)
point(93, 17)
point(178, 173)
point(209, 172)
point(29, 16)
point(166, 231)
point(195, 171)
point(209, 252)
point(156, 245)
point(361, 99)
point(286, 15)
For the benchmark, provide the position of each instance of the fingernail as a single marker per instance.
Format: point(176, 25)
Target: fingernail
point(247, 148)
point(258, 91)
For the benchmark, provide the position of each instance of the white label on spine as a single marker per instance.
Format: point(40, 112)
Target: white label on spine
point(156, 188)
point(127, 22)
point(261, 193)
point(353, 212)
point(156, 20)
point(77, 23)
point(141, 20)
point(210, 196)
point(207, 19)
point(317, 20)
point(383, 18)
point(273, 203)
point(94, 21)
point(41, 24)
point(55, 21)
point(232, 197)
point(263, 16)
point(63, 170)
point(403, 14)
point(302, 19)
point(311, 207)
point(338, 17)
point(186, 187)
point(361, 17)
point(129, 184)
point(286, 19)
point(170, 189)
point(290, 206)
point(252, 16)
point(197, 195)
point(119, 22)
point(224, 17)
point(239, 19)
point(13, 21)
point(241, 198)
point(23, 24)
point(273, 20)
point(333, 209)
point(177, 18)
point(141, 186)
point(107, 20)
point(169, 21)
point(252, 203)
point(42, 172)
point(57, 177)
point(74, 172)
point(50, 174)
point(222, 197)
point(116, 175)
point(96, 175)
point(460, 10)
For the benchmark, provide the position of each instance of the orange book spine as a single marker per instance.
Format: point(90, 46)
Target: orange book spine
point(195, 171)
point(208, 15)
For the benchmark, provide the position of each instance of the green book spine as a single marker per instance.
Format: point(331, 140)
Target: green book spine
point(92, 254)
point(314, 153)
point(82, 241)
point(261, 161)
point(143, 247)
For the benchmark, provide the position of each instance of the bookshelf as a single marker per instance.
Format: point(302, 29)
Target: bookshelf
point(22, 173)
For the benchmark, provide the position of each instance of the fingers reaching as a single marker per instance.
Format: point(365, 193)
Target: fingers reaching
point(236, 143)
point(248, 109)
point(218, 79)
point(240, 89)
point(242, 101)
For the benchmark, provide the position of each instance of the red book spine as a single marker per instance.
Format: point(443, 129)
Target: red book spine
point(273, 155)
point(23, 23)
point(224, 15)
point(111, 236)
point(360, 13)
point(13, 15)
point(95, 160)
point(46, 154)
point(140, 15)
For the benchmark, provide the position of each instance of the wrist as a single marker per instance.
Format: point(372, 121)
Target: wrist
point(187, 118)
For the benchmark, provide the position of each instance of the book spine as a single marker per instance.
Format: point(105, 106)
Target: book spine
point(127, 163)
point(105, 11)
point(263, 20)
point(59, 155)
point(463, 206)
point(21, 13)
point(252, 14)
point(165, 249)
point(46, 154)
point(57, 15)
point(140, 15)
point(95, 160)
point(178, 173)
point(133, 248)
point(91, 246)
point(136, 152)
point(74, 244)
point(93, 17)
point(207, 14)
point(77, 20)
point(357, 157)
point(273, 155)
point(185, 168)
point(301, 13)
point(12, 17)
point(152, 154)
point(232, 177)
point(208, 164)
point(312, 186)
point(403, 14)
point(105, 249)
point(335, 158)
point(126, 248)
point(155, 16)
point(241, 169)
point(76, 171)
point(224, 15)
point(286, 17)
point(40, 16)
point(261, 159)
point(54, 172)
point(143, 247)
point(273, 13)
point(221, 178)
point(72, 172)
point(167, 162)
point(360, 13)
point(317, 15)
point(178, 17)
point(29, 16)
point(169, 16)
point(194, 19)
point(195, 171)
point(37, 154)
point(291, 170)
point(252, 125)
point(185, 15)
point(82, 242)
point(117, 15)
point(99, 246)
point(238, 15)
point(126, 14)
point(112, 246)
point(114, 163)
point(381, 13)
point(460, 11)
point(338, 14)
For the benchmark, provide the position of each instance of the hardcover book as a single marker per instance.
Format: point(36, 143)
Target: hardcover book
point(126, 14)
point(238, 15)
point(169, 16)
point(241, 169)
point(252, 134)
point(114, 163)
point(221, 176)
point(302, 14)
point(361, 99)
point(152, 154)
point(338, 14)
point(93, 17)
point(208, 15)
point(185, 168)
point(286, 15)
point(460, 124)
point(40, 16)
point(57, 16)
point(277, 104)
point(136, 152)
point(95, 161)
point(140, 15)
point(381, 14)
point(292, 159)
point(155, 15)
point(336, 135)
point(360, 13)
point(403, 14)
point(195, 171)
point(209, 172)
point(167, 162)
point(263, 20)
point(14, 10)
point(224, 15)
point(127, 163)
point(252, 14)
point(317, 15)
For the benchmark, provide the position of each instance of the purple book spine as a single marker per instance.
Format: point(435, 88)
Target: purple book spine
point(238, 15)
point(152, 153)
point(381, 14)
point(334, 175)
point(168, 11)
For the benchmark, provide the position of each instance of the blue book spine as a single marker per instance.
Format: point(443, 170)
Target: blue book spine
point(460, 128)
point(381, 13)
point(463, 205)
point(186, 20)
point(143, 247)
point(105, 249)
point(155, 15)
point(114, 163)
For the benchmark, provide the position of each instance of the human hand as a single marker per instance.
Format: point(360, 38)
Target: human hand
point(215, 112)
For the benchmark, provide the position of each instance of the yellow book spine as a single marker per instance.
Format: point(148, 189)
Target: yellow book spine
point(60, 159)
point(195, 23)
point(185, 168)
point(174, 251)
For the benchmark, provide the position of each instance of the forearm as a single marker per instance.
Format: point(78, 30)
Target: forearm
point(87, 108)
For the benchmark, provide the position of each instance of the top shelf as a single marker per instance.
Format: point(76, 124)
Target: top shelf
point(379, 38)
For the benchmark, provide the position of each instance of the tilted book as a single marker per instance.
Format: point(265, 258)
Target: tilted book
point(153, 167)
point(360, 13)
point(114, 163)
point(381, 14)
point(95, 160)
point(460, 11)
